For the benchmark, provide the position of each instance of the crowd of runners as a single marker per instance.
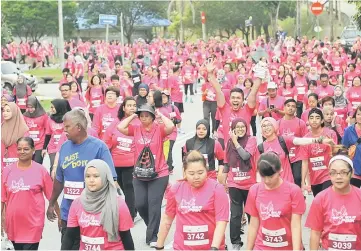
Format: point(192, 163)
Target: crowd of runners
point(111, 146)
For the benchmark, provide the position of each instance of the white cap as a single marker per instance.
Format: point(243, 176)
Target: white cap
point(271, 85)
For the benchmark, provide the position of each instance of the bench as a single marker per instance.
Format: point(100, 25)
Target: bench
point(47, 79)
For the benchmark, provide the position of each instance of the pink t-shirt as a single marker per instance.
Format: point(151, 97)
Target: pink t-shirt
point(322, 92)
point(197, 210)
point(338, 217)
point(277, 102)
point(238, 178)
point(154, 139)
point(301, 85)
point(95, 97)
point(171, 112)
point(187, 73)
point(121, 146)
point(103, 117)
point(274, 208)
point(37, 127)
point(228, 115)
point(55, 130)
point(21, 102)
point(93, 236)
point(288, 92)
point(11, 155)
point(353, 95)
point(174, 83)
point(25, 188)
point(294, 127)
point(318, 156)
point(75, 102)
point(211, 92)
point(274, 146)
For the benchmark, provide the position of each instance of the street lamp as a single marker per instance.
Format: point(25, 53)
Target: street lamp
point(61, 34)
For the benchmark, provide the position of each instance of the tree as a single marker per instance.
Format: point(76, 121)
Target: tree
point(132, 12)
point(35, 19)
point(357, 16)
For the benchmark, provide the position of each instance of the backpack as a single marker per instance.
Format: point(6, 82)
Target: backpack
point(282, 142)
point(175, 120)
point(144, 168)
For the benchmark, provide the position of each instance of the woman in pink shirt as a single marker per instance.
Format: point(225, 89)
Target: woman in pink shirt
point(149, 181)
point(312, 101)
point(276, 207)
point(239, 174)
point(122, 149)
point(76, 92)
point(94, 95)
point(13, 127)
point(21, 93)
point(24, 184)
point(353, 94)
point(200, 206)
point(287, 88)
point(335, 215)
point(37, 121)
point(99, 217)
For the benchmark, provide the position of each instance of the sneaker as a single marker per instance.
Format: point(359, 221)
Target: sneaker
point(186, 99)
point(237, 246)
point(153, 244)
point(191, 100)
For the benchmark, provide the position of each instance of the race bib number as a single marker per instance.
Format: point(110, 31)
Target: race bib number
point(337, 68)
point(21, 101)
point(9, 161)
point(136, 79)
point(124, 144)
point(57, 138)
point(274, 72)
point(318, 163)
point(211, 96)
point(239, 175)
point(73, 189)
point(96, 103)
point(292, 152)
point(120, 100)
point(355, 104)
point(163, 76)
point(172, 115)
point(34, 135)
point(338, 242)
point(92, 244)
point(274, 238)
point(301, 90)
point(195, 235)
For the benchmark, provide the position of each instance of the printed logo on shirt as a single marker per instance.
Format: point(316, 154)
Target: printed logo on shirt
point(18, 186)
point(268, 211)
point(87, 220)
point(189, 206)
point(339, 217)
point(316, 149)
point(56, 126)
point(73, 161)
point(31, 124)
point(287, 132)
point(145, 140)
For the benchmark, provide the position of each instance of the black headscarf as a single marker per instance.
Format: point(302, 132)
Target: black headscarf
point(61, 106)
point(142, 100)
point(234, 160)
point(39, 110)
point(198, 143)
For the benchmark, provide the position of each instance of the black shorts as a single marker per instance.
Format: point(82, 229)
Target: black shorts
point(179, 106)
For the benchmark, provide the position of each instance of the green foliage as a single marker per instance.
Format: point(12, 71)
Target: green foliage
point(35, 19)
point(132, 11)
point(357, 16)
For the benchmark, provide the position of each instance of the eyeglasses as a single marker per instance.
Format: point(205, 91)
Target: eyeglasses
point(342, 173)
point(267, 125)
point(240, 127)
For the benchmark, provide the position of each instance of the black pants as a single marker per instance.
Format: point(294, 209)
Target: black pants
point(125, 181)
point(221, 141)
point(79, 81)
point(170, 156)
point(238, 199)
point(52, 159)
point(316, 189)
point(37, 157)
point(356, 182)
point(47, 60)
point(297, 172)
point(186, 89)
point(209, 112)
point(22, 59)
point(76, 244)
point(25, 246)
point(253, 124)
point(299, 106)
point(148, 201)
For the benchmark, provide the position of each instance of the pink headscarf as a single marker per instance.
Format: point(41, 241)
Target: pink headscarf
point(272, 121)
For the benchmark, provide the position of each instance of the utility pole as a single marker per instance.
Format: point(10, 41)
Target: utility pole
point(61, 34)
point(331, 19)
point(122, 36)
point(298, 18)
point(181, 23)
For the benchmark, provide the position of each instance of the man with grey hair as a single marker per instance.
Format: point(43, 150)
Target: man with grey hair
point(74, 154)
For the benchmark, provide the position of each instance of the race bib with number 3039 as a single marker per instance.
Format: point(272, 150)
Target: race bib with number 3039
point(338, 242)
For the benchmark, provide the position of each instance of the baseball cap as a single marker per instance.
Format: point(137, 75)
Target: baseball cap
point(271, 85)
point(146, 108)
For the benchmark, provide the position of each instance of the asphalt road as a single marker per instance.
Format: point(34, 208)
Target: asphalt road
point(193, 112)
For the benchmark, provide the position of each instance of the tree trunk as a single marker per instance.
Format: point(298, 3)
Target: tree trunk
point(275, 27)
point(266, 32)
point(252, 28)
point(258, 30)
point(298, 18)
point(339, 11)
point(331, 19)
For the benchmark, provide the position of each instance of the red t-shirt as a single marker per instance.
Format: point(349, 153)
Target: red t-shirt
point(55, 130)
point(239, 179)
point(37, 128)
point(274, 208)
point(277, 102)
point(197, 210)
point(93, 236)
point(154, 139)
point(25, 188)
point(338, 218)
point(103, 117)
point(318, 156)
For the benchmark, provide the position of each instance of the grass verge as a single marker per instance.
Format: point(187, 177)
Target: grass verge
point(46, 104)
point(45, 72)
